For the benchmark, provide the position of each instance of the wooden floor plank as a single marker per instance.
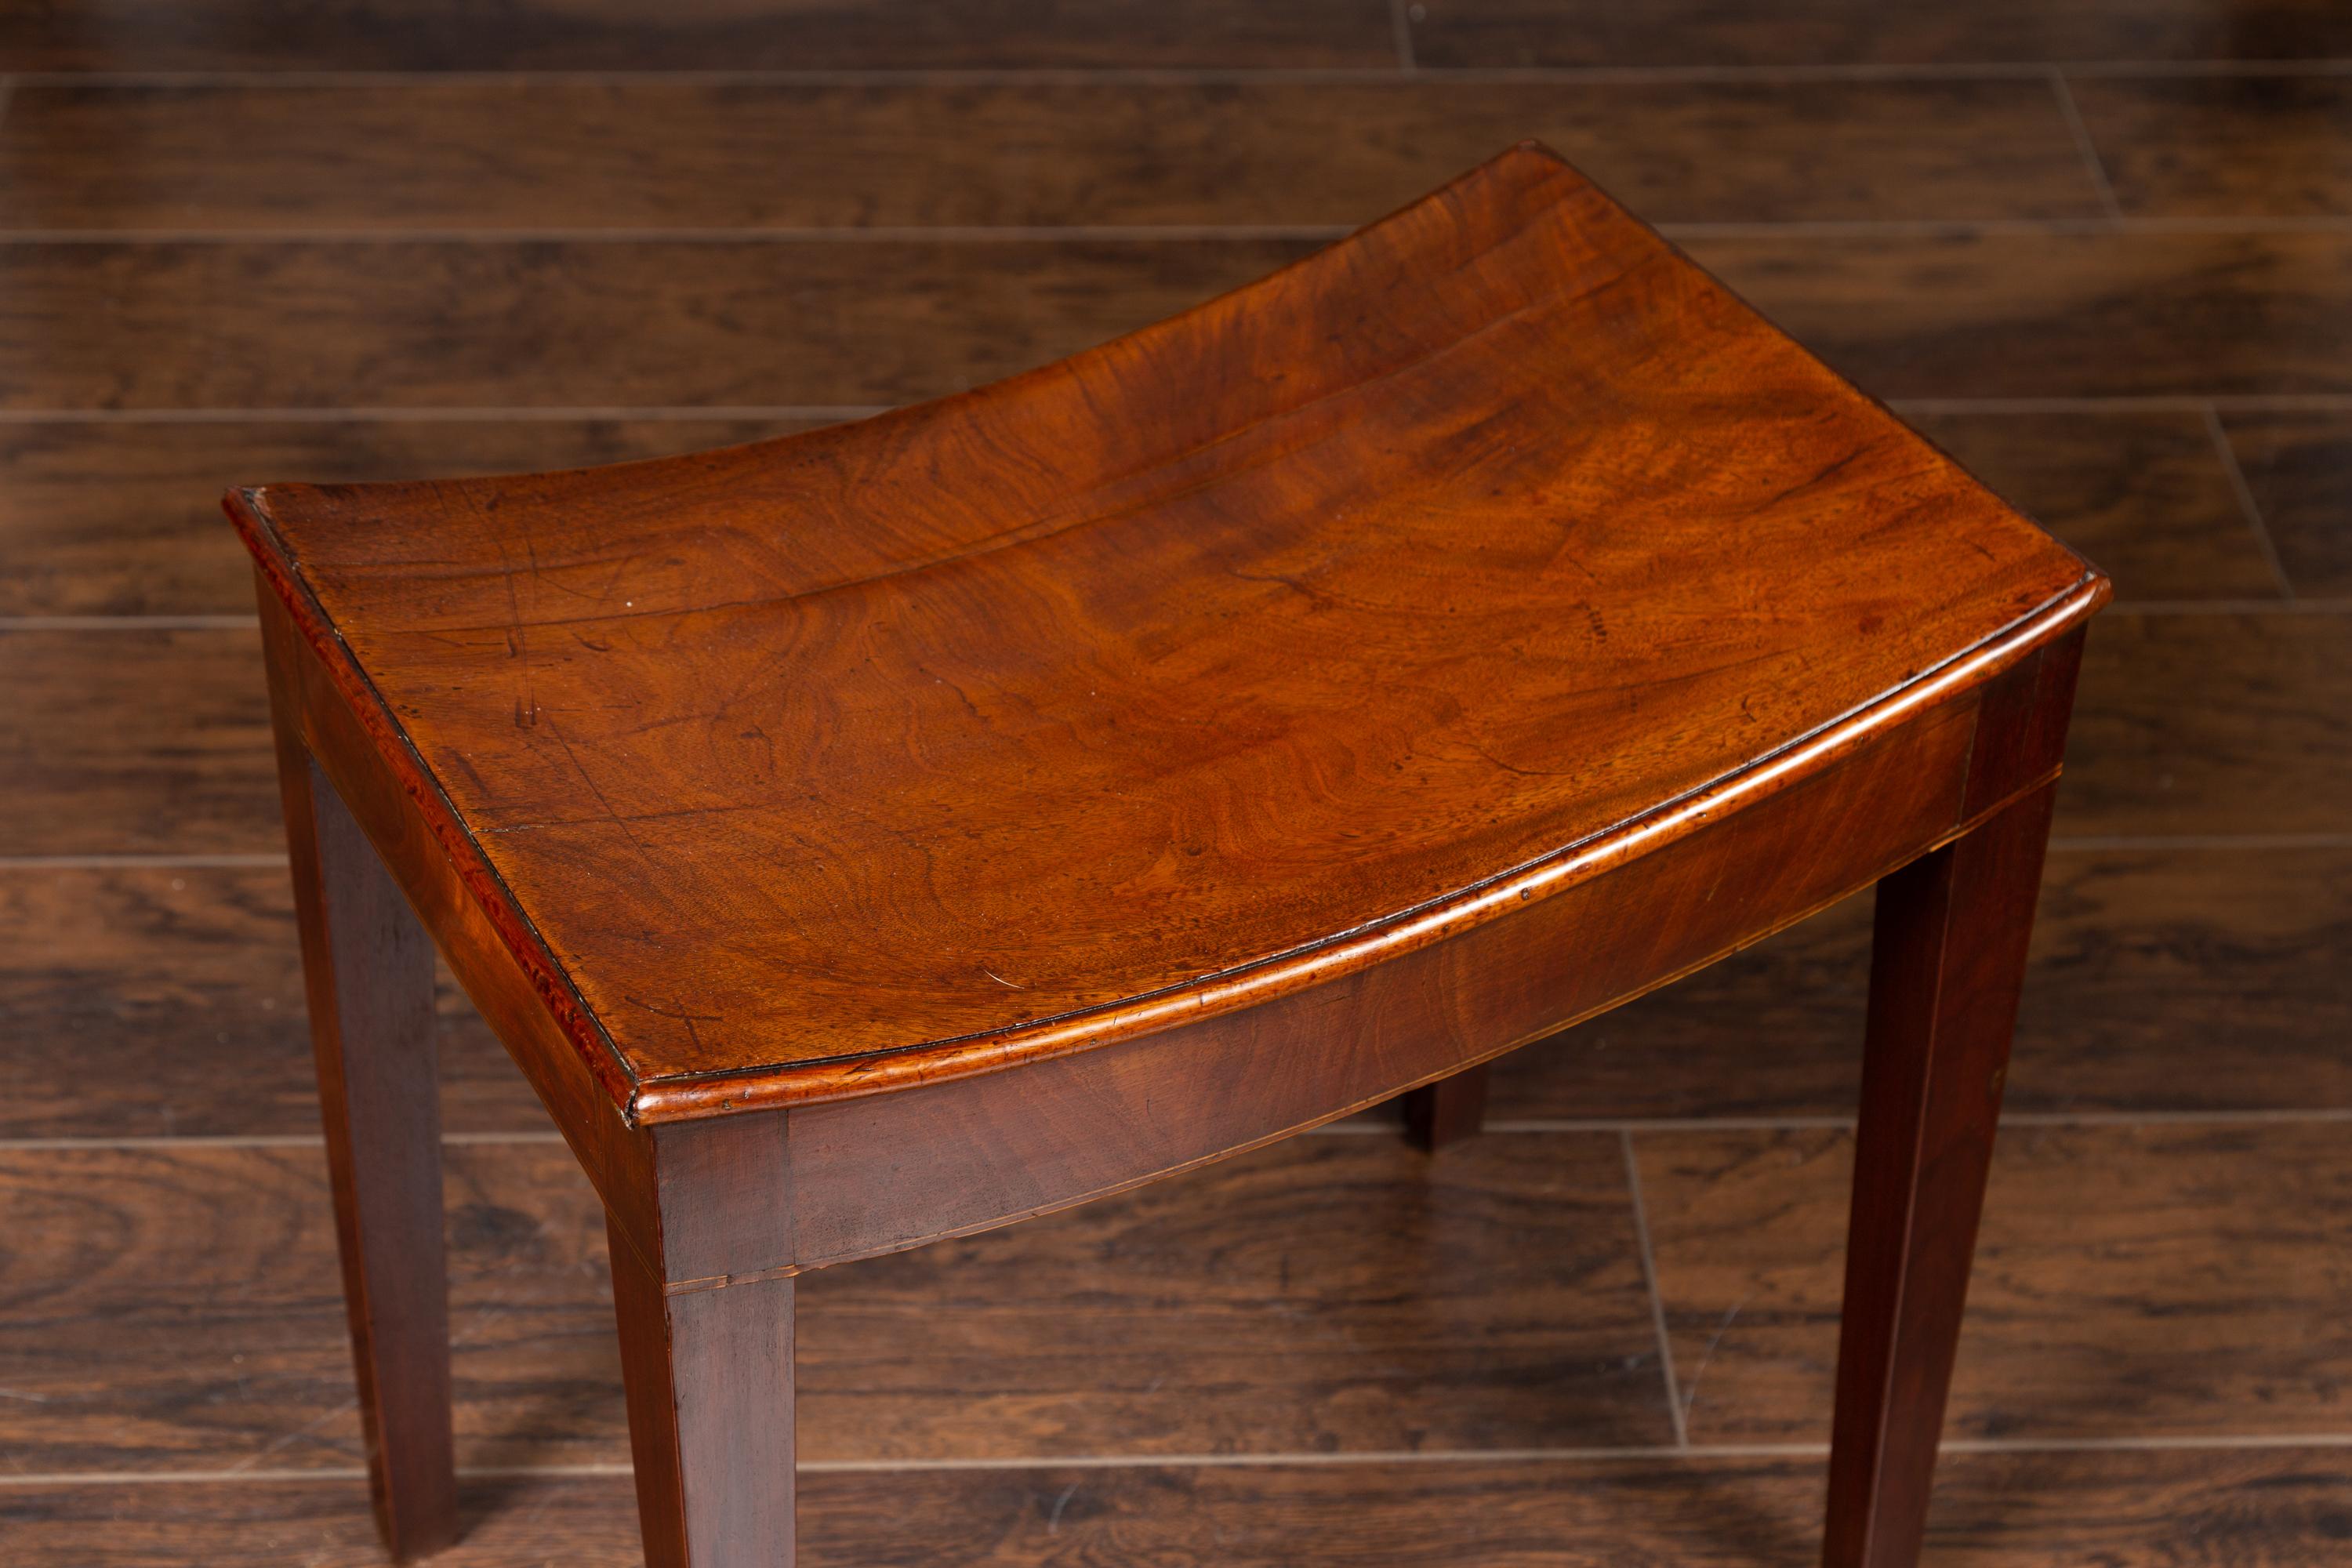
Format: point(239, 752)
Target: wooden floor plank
point(180, 989)
point(136, 742)
point(2266, 1509)
point(2130, 1282)
point(2145, 962)
point(125, 519)
point(418, 324)
point(2213, 723)
point(575, 326)
point(2223, 146)
point(2058, 314)
point(2146, 495)
point(1330, 1295)
point(2147, 966)
point(1942, 32)
point(516, 153)
point(693, 35)
point(2298, 471)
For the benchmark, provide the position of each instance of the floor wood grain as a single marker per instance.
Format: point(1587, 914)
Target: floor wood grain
point(2219, 723)
point(1257, 1307)
point(697, 35)
point(125, 519)
point(2298, 471)
point(517, 152)
point(418, 323)
point(2092, 314)
point(2148, 495)
point(1943, 32)
point(135, 742)
point(421, 324)
point(2273, 1509)
point(2131, 1282)
point(144, 978)
point(2144, 963)
point(2223, 146)
point(2147, 966)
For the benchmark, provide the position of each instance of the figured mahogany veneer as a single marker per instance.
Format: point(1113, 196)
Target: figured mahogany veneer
point(886, 832)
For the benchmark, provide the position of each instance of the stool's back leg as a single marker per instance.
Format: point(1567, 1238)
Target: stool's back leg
point(368, 972)
point(1448, 1110)
point(1947, 966)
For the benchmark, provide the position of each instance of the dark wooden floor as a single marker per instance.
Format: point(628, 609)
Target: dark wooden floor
point(2102, 251)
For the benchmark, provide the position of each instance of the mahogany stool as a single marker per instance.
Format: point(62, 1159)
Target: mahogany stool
point(907, 828)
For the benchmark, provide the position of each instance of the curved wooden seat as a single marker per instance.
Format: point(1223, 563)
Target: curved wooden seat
point(1460, 631)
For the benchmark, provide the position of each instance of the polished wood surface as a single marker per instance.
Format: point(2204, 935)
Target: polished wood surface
point(1448, 1110)
point(1947, 963)
point(370, 976)
point(1802, 649)
point(1332, 1350)
point(584, 664)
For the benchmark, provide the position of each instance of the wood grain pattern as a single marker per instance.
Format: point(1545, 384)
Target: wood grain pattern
point(2232, 146)
point(508, 152)
point(2167, 977)
point(2100, 1305)
point(2058, 314)
point(1255, 1307)
point(2298, 468)
point(135, 742)
point(2144, 494)
point(2275, 1509)
point(888, 321)
point(125, 520)
point(420, 324)
point(1379, 754)
point(368, 966)
point(2144, 963)
point(107, 519)
point(1714, 32)
point(706, 34)
point(1447, 1111)
point(1947, 963)
point(958, 1156)
point(709, 1376)
point(145, 979)
point(2214, 724)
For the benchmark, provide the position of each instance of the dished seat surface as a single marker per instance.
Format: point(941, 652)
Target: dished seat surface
point(1472, 537)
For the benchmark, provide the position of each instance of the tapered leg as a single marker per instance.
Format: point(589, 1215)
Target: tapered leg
point(1448, 1110)
point(368, 971)
point(1947, 963)
point(709, 1379)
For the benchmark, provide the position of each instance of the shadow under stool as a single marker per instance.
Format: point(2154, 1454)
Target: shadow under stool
point(897, 830)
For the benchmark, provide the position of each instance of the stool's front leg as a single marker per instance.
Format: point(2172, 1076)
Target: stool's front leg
point(707, 1352)
point(1948, 964)
point(368, 971)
